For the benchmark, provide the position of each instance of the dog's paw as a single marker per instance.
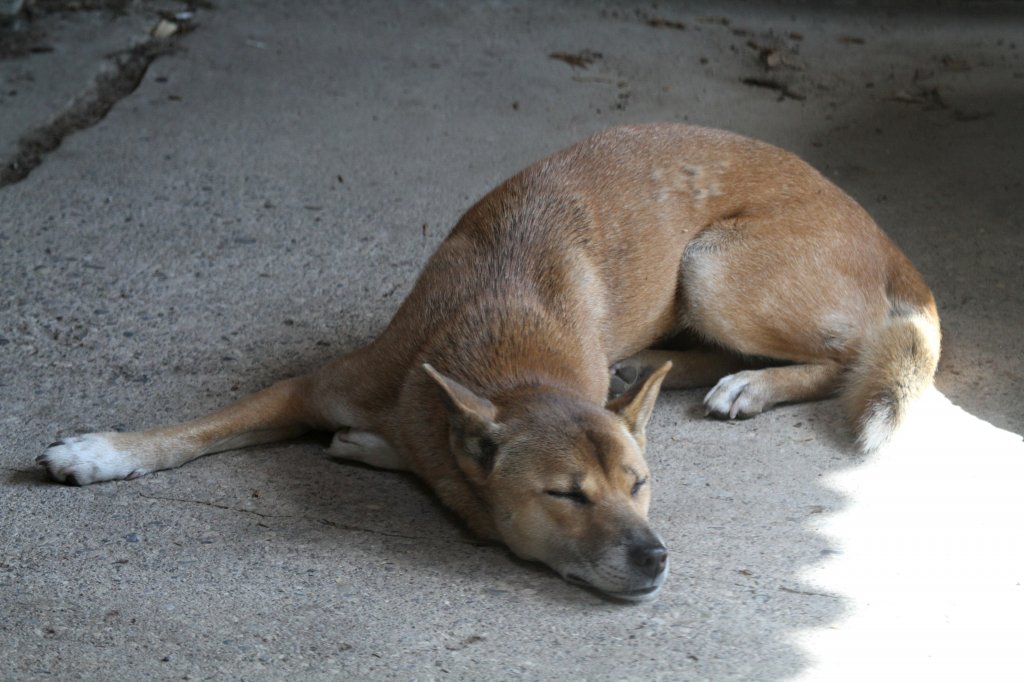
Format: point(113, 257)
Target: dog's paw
point(367, 448)
point(81, 460)
point(623, 375)
point(735, 396)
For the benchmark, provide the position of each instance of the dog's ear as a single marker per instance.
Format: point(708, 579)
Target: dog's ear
point(635, 406)
point(475, 431)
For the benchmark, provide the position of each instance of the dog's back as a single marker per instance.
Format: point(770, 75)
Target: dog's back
point(641, 232)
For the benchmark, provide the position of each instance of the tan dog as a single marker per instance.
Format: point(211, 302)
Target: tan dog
point(491, 380)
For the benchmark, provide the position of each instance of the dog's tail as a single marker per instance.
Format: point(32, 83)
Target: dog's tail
point(894, 368)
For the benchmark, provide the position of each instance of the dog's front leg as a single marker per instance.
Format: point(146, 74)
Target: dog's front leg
point(367, 448)
point(694, 368)
point(276, 413)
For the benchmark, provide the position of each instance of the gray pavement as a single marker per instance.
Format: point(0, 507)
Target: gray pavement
point(263, 200)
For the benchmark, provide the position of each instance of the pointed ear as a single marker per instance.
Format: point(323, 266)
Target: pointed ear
point(475, 433)
point(635, 406)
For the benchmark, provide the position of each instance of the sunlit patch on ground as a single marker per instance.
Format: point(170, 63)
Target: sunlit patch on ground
point(932, 556)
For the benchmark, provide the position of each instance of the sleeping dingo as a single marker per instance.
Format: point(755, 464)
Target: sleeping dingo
point(492, 380)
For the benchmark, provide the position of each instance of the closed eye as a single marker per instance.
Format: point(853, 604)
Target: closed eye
point(577, 496)
point(640, 482)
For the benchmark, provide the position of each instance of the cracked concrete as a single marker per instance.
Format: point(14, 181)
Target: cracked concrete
point(101, 53)
point(86, 110)
point(262, 201)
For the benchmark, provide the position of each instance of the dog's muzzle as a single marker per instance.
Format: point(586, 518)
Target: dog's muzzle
point(649, 560)
point(639, 577)
point(649, 563)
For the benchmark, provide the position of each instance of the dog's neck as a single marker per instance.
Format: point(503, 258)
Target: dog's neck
point(533, 350)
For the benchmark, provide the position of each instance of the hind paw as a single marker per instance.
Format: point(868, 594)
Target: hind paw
point(735, 396)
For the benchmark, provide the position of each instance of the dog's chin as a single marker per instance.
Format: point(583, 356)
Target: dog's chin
point(636, 596)
point(631, 595)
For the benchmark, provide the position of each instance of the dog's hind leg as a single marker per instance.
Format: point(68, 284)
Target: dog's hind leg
point(739, 390)
point(276, 413)
point(751, 392)
point(801, 295)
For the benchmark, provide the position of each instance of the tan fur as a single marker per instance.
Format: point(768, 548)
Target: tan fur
point(896, 364)
point(491, 380)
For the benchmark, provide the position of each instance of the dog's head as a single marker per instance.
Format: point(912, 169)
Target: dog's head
point(566, 481)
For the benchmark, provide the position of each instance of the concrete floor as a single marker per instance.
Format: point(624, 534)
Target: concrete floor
point(263, 200)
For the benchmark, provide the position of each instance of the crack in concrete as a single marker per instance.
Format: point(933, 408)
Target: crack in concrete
point(313, 519)
point(86, 110)
point(790, 590)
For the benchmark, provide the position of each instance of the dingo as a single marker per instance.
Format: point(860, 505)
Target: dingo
point(492, 380)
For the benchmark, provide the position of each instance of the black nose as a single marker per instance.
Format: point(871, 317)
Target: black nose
point(649, 559)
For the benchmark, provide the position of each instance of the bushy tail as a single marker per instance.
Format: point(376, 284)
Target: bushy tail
point(895, 366)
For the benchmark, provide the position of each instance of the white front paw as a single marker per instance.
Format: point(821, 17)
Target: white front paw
point(368, 448)
point(737, 395)
point(81, 460)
